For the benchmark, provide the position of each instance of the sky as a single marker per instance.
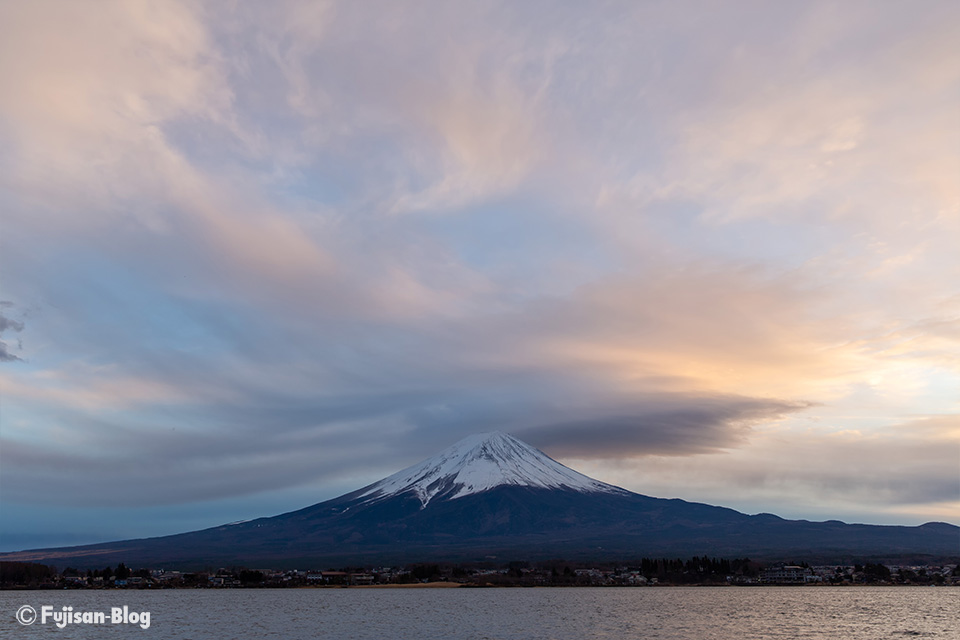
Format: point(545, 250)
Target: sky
point(257, 255)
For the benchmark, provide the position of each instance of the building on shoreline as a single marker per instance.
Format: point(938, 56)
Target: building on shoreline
point(787, 574)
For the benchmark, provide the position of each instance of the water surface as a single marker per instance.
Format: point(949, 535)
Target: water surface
point(662, 613)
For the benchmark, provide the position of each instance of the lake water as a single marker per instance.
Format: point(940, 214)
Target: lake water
point(661, 613)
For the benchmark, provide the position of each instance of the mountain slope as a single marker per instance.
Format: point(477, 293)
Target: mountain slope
point(493, 495)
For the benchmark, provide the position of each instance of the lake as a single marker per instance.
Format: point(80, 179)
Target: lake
point(659, 613)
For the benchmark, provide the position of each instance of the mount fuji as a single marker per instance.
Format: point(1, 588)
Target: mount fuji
point(492, 496)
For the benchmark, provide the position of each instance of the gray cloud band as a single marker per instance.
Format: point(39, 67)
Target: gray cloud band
point(8, 324)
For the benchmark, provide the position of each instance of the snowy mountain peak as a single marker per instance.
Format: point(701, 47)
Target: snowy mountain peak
point(481, 462)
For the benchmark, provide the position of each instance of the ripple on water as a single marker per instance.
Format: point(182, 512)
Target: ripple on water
point(701, 613)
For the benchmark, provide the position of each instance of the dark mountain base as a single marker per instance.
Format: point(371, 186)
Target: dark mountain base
point(512, 523)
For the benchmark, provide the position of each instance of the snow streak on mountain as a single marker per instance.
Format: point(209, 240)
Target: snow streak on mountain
point(481, 462)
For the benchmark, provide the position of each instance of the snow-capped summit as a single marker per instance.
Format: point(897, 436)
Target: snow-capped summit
point(481, 462)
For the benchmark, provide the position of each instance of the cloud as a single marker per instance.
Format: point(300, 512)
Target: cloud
point(293, 243)
point(678, 425)
point(8, 324)
point(100, 390)
point(818, 472)
point(93, 91)
point(5, 355)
